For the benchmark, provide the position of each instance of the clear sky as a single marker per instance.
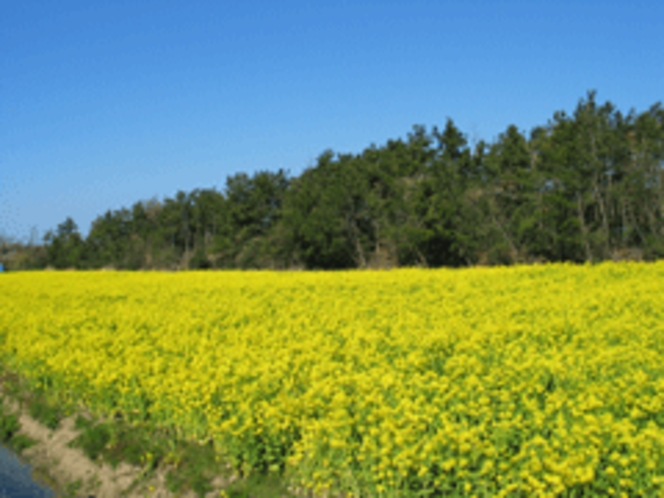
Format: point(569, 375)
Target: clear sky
point(105, 103)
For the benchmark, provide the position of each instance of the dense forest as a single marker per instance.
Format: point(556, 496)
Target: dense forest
point(585, 187)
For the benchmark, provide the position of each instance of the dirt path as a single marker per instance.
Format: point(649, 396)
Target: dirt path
point(62, 466)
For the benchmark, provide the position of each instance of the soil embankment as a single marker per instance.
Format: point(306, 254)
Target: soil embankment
point(72, 474)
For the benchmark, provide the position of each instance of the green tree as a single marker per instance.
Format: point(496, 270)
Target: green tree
point(316, 213)
point(254, 207)
point(64, 248)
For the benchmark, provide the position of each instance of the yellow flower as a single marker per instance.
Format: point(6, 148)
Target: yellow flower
point(410, 373)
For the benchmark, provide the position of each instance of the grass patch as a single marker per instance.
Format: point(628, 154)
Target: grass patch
point(21, 442)
point(189, 466)
point(195, 467)
point(116, 441)
point(9, 427)
point(258, 486)
point(94, 439)
point(72, 489)
point(46, 413)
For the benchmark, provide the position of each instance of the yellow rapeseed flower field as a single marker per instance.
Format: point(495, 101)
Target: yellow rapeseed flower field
point(536, 381)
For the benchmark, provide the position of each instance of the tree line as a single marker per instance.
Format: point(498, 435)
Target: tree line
point(585, 187)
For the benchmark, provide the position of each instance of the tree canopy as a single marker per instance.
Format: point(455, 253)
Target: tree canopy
point(584, 187)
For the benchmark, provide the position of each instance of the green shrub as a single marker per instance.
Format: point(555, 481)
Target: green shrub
point(45, 413)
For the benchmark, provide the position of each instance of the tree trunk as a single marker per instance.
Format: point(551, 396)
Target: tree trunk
point(360, 258)
point(605, 220)
point(584, 229)
point(514, 252)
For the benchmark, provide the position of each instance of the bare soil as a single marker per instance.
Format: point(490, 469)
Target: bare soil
point(58, 465)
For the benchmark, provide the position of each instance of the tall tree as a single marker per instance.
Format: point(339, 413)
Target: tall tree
point(65, 247)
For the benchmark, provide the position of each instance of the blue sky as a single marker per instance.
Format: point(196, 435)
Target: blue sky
point(105, 103)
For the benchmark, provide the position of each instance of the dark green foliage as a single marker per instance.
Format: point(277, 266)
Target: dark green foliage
point(585, 187)
point(21, 442)
point(8, 426)
point(65, 247)
point(94, 439)
point(327, 217)
point(258, 486)
point(200, 260)
point(44, 412)
point(195, 469)
point(115, 441)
